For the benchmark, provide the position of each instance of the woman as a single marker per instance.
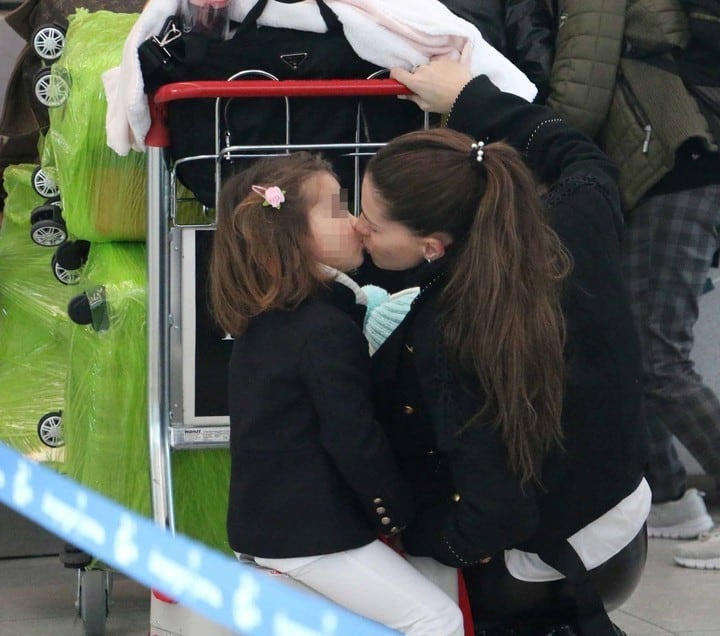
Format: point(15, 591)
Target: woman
point(511, 391)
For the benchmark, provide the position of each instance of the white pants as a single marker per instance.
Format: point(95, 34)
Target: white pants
point(376, 582)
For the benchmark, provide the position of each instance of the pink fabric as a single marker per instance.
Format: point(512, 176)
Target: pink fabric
point(428, 44)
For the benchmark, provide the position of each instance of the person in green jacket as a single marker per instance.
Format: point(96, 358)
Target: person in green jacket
point(617, 77)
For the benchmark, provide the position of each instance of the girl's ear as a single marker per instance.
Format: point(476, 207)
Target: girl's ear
point(434, 245)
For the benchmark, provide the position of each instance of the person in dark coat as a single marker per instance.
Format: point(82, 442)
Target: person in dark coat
point(313, 479)
point(522, 30)
point(511, 390)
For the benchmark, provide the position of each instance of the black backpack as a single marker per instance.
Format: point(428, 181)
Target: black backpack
point(285, 54)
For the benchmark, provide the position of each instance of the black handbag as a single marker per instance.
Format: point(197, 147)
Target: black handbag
point(285, 54)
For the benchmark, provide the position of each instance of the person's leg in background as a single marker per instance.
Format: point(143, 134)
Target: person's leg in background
point(669, 244)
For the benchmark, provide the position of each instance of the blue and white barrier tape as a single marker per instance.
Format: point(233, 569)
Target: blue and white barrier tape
point(239, 597)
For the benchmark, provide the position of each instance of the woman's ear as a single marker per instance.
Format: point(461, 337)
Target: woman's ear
point(435, 244)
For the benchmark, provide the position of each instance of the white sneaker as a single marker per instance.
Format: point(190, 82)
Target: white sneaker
point(703, 554)
point(685, 518)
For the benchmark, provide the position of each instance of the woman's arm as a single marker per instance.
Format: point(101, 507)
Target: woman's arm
point(487, 513)
point(478, 108)
point(551, 148)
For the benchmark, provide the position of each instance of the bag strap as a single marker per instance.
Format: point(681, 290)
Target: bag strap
point(592, 617)
point(328, 15)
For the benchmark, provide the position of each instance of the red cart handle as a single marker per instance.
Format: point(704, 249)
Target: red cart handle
point(159, 135)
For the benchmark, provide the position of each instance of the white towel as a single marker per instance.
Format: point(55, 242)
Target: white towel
point(385, 32)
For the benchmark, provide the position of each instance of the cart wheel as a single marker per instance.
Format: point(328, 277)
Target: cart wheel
point(50, 429)
point(73, 254)
point(48, 233)
point(49, 210)
point(93, 600)
point(44, 184)
point(62, 274)
point(68, 259)
point(48, 41)
point(45, 212)
point(51, 90)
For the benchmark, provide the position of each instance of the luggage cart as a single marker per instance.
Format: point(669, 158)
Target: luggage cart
point(174, 422)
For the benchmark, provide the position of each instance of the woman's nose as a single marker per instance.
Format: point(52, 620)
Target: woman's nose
point(359, 225)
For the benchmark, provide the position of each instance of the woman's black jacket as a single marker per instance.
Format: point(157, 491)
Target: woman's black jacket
point(471, 503)
point(522, 30)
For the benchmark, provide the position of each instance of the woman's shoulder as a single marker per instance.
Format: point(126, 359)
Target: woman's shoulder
point(581, 184)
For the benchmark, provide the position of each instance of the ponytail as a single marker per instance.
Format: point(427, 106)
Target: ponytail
point(500, 312)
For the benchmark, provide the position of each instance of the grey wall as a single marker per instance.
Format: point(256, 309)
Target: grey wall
point(707, 351)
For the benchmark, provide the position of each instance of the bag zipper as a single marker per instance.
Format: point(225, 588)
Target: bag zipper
point(637, 111)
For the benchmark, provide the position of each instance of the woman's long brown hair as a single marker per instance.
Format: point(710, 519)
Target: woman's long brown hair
point(500, 308)
point(261, 257)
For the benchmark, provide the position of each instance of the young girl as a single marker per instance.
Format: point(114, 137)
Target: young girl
point(313, 478)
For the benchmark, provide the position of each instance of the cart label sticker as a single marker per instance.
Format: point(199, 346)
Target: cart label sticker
point(207, 434)
point(193, 435)
point(235, 595)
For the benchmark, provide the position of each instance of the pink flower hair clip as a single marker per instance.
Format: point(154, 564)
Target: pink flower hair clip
point(274, 196)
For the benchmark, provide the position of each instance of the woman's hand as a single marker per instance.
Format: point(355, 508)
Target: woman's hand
point(435, 85)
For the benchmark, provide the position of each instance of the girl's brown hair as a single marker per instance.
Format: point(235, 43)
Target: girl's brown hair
point(261, 257)
point(500, 308)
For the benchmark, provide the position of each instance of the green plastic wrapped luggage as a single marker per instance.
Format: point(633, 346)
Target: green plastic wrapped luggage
point(105, 416)
point(105, 401)
point(34, 329)
point(103, 194)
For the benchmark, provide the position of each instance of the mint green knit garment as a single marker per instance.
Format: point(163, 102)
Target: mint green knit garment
point(385, 312)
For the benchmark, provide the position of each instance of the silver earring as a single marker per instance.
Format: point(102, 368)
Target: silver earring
point(428, 259)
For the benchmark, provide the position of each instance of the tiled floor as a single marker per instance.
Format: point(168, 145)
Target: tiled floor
point(37, 599)
point(671, 599)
